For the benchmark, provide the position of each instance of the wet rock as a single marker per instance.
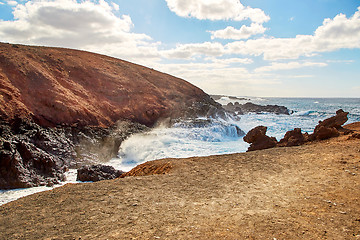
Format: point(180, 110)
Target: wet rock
point(25, 165)
point(259, 140)
point(96, 173)
point(31, 155)
point(28, 159)
point(292, 138)
point(255, 108)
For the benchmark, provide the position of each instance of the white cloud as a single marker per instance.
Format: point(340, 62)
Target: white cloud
point(218, 77)
point(87, 25)
point(228, 61)
point(287, 66)
point(187, 51)
point(115, 6)
point(334, 34)
point(216, 10)
point(12, 3)
point(243, 33)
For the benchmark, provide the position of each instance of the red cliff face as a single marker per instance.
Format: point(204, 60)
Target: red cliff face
point(62, 86)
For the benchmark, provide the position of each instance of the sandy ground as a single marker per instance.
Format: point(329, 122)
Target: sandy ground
point(306, 192)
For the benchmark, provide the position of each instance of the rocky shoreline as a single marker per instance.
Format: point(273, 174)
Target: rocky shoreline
point(328, 128)
point(33, 155)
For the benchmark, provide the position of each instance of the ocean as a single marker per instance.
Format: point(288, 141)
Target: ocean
point(222, 136)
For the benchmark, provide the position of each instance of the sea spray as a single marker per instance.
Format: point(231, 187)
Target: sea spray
point(199, 137)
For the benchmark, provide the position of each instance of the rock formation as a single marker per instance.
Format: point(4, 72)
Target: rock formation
point(255, 108)
point(258, 139)
point(27, 155)
point(32, 155)
point(97, 173)
point(330, 127)
point(292, 138)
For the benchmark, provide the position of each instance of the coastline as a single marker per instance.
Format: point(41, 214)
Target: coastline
point(309, 191)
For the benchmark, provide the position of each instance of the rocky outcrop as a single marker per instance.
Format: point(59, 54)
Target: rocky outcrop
point(293, 138)
point(255, 108)
point(329, 127)
point(336, 121)
point(322, 133)
point(97, 173)
point(31, 155)
point(150, 168)
point(259, 140)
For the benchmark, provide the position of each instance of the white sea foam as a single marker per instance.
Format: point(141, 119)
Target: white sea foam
point(13, 194)
point(179, 141)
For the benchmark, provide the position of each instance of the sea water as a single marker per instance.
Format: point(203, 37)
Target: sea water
point(222, 136)
point(182, 141)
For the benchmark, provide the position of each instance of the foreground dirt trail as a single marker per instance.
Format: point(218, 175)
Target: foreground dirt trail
point(306, 192)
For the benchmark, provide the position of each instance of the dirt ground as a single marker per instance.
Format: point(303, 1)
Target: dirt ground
point(306, 192)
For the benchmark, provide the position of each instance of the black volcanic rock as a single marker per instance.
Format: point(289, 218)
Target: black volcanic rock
point(96, 173)
point(31, 155)
point(254, 108)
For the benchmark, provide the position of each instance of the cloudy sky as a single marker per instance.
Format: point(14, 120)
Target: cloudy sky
point(283, 48)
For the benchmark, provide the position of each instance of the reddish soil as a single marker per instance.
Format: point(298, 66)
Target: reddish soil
point(306, 192)
point(62, 86)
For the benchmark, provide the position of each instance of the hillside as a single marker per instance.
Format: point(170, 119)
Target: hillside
point(305, 192)
point(57, 86)
point(63, 108)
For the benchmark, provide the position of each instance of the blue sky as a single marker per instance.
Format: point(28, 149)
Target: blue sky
point(276, 48)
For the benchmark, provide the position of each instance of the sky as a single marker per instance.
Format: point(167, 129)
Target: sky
point(265, 48)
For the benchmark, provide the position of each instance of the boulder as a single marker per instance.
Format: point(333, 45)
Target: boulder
point(322, 133)
point(96, 173)
point(336, 121)
point(329, 127)
point(31, 155)
point(292, 138)
point(259, 140)
point(24, 165)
